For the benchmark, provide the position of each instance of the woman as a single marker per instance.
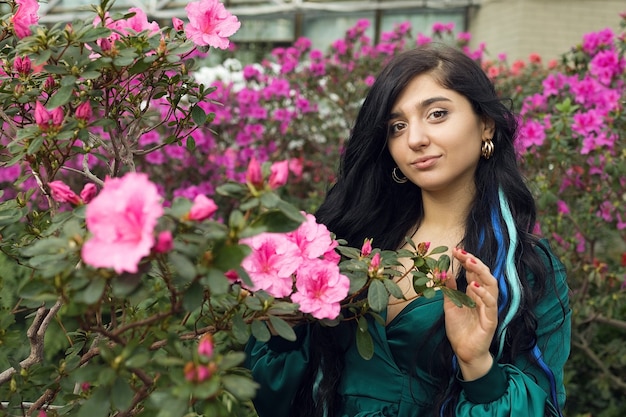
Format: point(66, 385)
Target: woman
point(431, 157)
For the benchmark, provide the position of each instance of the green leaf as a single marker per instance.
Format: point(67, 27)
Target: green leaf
point(190, 143)
point(61, 97)
point(349, 252)
point(443, 263)
point(377, 296)
point(185, 269)
point(98, 405)
point(364, 342)
point(393, 288)
point(240, 386)
point(260, 331)
point(272, 221)
point(283, 328)
point(438, 249)
point(227, 257)
point(240, 329)
point(121, 394)
point(459, 298)
point(232, 359)
point(198, 115)
point(193, 297)
point(93, 292)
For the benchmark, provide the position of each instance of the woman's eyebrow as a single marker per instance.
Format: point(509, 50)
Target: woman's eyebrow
point(422, 104)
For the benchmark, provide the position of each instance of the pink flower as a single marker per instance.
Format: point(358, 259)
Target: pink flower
point(177, 23)
point(165, 242)
point(375, 262)
point(22, 65)
point(205, 346)
point(295, 166)
point(42, 413)
point(48, 120)
point(273, 260)
point(562, 207)
point(88, 192)
point(62, 193)
point(84, 111)
point(254, 175)
point(121, 220)
point(320, 289)
point(210, 24)
point(279, 172)
point(138, 22)
point(25, 17)
point(202, 208)
point(313, 239)
point(367, 247)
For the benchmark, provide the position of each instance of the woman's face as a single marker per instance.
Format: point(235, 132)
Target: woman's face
point(435, 137)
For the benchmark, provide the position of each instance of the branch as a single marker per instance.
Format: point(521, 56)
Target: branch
point(618, 382)
point(618, 324)
point(36, 333)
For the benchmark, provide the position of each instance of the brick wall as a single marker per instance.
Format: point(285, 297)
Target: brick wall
point(547, 27)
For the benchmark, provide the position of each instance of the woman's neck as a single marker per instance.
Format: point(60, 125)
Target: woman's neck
point(446, 211)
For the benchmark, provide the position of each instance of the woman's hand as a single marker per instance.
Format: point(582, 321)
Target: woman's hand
point(471, 330)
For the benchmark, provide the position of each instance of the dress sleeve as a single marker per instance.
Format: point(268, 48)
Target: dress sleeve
point(523, 387)
point(277, 366)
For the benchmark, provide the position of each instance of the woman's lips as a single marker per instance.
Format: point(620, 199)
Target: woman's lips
point(425, 162)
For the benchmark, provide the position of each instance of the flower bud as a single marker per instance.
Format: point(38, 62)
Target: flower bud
point(83, 111)
point(366, 249)
point(254, 175)
point(205, 346)
point(202, 208)
point(278, 174)
point(61, 193)
point(165, 242)
point(88, 192)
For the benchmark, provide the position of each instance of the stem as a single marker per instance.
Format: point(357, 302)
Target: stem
point(36, 333)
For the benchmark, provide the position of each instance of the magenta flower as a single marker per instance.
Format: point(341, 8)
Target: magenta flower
point(138, 22)
point(273, 260)
point(279, 172)
point(121, 220)
point(177, 24)
point(210, 24)
point(165, 242)
point(25, 17)
point(83, 111)
point(205, 346)
point(320, 289)
point(367, 248)
point(22, 65)
point(62, 193)
point(88, 192)
point(202, 208)
point(48, 121)
point(254, 175)
point(313, 239)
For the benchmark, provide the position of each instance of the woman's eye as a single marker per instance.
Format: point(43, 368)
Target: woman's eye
point(437, 114)
point(396, 127)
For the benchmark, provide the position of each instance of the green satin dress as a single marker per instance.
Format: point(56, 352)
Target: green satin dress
point(395, 381)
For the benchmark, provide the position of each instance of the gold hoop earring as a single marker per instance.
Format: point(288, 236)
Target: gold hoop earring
point(487, 148)
point(399, 179)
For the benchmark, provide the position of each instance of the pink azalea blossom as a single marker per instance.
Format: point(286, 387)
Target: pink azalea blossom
point(367, 248)
point(62, 193)
point(121, 220)
point(138, 22)
point(88, 192)
point(205, 346)
point(22, 65)
point(313, 239)
point(25, 17)
point(202, 208)
point(48, 120)
point(254, 176)
point(210, 24)
point(279, 172)
point(320, 289)
point(84, 111)
point(177, 24)
point(165, 242)
point(273, 260)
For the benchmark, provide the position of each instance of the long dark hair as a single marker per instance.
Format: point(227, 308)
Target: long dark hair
point(365, 202)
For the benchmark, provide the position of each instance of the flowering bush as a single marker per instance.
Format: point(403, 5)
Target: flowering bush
point(137, 298)
point(134, 295)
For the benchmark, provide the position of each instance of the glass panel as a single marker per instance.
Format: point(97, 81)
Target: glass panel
point(422, 20)
point(324, 29)
point(271, 29)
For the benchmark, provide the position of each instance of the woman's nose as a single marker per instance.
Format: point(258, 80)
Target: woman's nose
point(417, 137)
